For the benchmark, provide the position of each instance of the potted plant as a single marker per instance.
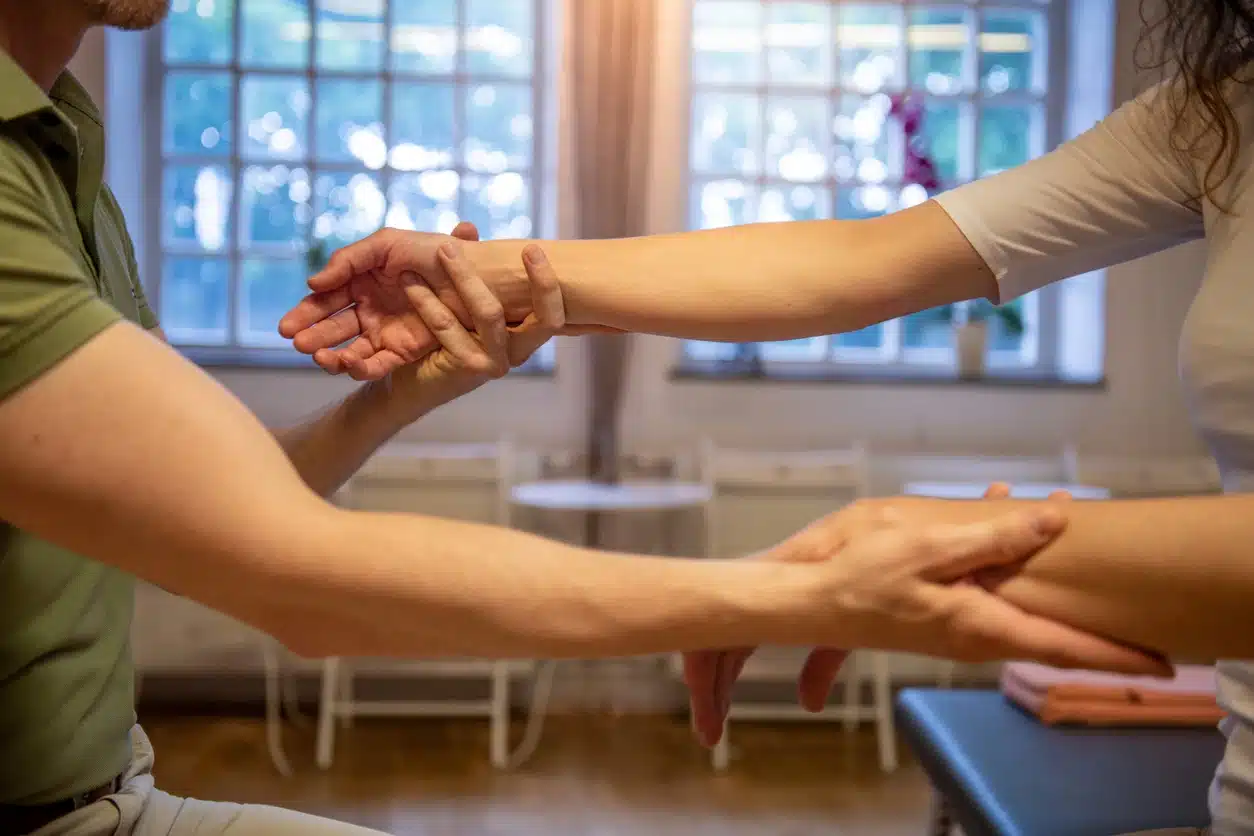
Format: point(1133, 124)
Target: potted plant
point(970, 322)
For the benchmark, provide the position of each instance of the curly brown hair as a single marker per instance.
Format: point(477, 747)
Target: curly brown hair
point(1206, 47)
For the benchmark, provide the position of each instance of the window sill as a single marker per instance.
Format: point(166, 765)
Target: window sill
point(690, 372)
point(275, 359)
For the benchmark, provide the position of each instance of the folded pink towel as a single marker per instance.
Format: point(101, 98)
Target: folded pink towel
point(1100, 699)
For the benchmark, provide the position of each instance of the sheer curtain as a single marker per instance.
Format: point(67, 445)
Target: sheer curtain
point(610, 47)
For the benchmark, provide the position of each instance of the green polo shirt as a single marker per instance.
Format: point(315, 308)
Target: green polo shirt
point(67, 272)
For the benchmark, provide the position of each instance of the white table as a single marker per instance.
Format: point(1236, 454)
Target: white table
point(1025, 490)
point(577, 496)
point(622, 497)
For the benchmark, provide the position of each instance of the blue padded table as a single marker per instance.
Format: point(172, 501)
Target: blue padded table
point(999, 772)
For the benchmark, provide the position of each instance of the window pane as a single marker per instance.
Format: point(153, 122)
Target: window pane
point(348, 206)
point(350, 35)
point(424, 36)
point(799, 43)
point(194, 300)
point(268, 289)
point(869, 144)
point(709, 352)
point(860, 202)
point(941, 136)
point(1009, 136)
point(499, 205)
point(866, 338)
point(422, 126)
point(940, 43)
point(1011, 50)
point(275, 113)
point(274, 208)
point(796, 145)
point(196, 206)
point(197, 113)
point(498, 127)
point(929, 329)
point(722, 203)
point(198, 32)
point(426, 201)
point(350, 122)
point(794, 203)
point(727, 41)
point(274, 33)
point(500, 36)
point(870, 42)
point(795, 351)
point(726, 133)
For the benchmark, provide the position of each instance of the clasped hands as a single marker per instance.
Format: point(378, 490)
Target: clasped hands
point(895, 574)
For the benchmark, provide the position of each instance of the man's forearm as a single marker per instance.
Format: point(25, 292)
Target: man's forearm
point(1170, 575)
point(761, 281)
point(330, 447)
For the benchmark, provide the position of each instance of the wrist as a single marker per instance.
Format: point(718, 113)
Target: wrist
point(776, 601)
point(500, 265)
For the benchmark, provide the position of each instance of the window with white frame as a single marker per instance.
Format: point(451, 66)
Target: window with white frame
point(290, 127)
point(790, 120)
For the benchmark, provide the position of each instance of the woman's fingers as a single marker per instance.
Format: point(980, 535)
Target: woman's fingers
point(818, 674)
point(951, 552)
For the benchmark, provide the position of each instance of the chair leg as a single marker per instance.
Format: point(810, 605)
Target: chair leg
point(940, 820)
point(347, 691)
point(852, 694)
point(721, 756)
point(327, 709)
point(946, 677)
point(884, 724)
point(274, 707)
point(499, 731)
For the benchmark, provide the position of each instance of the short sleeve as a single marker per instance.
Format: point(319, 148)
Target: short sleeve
point(1117, 192)
point(47, 305)
point(147, 318)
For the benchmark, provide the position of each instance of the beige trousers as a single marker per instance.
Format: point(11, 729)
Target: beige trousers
point(139, 809)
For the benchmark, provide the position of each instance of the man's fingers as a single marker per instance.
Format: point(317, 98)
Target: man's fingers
point(526, 340)
point(951, 552)
point(309, 311)
point(818, 674)
point(997, 490)
point(330, 332)
point(451, 334)
point(546, 291)
point(486, 313)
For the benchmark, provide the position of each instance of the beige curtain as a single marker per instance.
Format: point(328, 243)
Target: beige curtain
point(609, 81)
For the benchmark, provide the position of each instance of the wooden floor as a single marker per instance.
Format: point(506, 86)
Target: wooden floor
point(592, 776)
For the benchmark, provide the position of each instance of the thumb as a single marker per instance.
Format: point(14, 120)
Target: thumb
point(952, 552)
point(466, 231)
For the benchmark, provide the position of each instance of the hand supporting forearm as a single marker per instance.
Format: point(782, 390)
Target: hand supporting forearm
point(1170, 575)
point(762, 281)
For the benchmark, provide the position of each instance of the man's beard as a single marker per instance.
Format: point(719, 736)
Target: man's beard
point(127, 14)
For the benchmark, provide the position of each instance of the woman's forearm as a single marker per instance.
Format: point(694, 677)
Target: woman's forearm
point(1171, 575)
point(763, 281)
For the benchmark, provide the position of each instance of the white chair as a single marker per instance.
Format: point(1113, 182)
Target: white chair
point(824, 480)
point(422, 466)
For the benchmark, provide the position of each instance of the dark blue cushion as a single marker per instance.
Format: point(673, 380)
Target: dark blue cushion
point(1002, 772)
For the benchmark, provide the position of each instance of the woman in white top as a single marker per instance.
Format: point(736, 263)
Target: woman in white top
point(1174, 165)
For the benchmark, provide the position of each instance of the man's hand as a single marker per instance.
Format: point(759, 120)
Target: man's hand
point(983, 627)
point(468, 360)
point(359, 319)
